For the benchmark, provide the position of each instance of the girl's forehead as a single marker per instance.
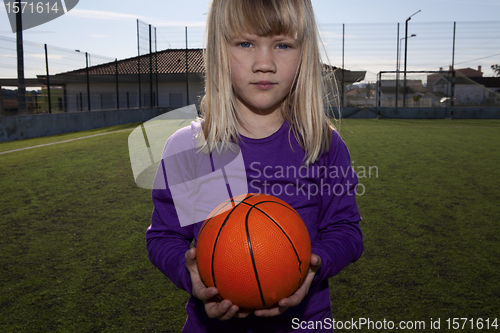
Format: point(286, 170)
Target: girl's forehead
point(263, 18)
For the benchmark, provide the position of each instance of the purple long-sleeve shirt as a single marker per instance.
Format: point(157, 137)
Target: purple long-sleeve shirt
point(322, 193)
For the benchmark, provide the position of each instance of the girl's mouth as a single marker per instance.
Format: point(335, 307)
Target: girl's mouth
point(264, 85)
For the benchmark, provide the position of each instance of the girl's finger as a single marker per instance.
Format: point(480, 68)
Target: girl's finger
point(230, 313)
point(271, 312)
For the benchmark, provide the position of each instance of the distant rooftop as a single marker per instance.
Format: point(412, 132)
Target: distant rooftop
point(172, 61)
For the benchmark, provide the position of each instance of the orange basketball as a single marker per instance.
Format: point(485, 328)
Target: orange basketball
point(255, 253)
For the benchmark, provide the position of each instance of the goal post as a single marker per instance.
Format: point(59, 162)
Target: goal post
point(420, 89)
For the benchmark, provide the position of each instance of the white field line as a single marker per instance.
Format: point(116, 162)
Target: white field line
point(91, 136)
point(55, 143)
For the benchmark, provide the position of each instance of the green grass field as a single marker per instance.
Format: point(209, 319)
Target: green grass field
point(72, 225)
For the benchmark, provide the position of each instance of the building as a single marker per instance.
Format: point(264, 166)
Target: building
point(467, 72)
point(156, 79)
point(470, 91)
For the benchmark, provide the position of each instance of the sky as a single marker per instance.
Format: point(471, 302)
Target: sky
point(108, 28)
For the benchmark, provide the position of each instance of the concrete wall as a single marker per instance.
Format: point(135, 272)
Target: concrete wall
point(33, 126)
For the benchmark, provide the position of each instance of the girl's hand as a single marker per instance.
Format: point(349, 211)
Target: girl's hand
point(215, 309)
point(298, 296)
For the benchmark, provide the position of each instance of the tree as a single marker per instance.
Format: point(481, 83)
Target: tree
point(369, 89)
point(496, 69)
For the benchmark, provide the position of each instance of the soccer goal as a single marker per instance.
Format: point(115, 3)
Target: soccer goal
point(415, 88)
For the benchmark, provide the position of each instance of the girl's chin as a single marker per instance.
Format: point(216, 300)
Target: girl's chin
point(262, 108)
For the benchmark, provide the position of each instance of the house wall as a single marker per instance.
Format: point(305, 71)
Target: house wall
point(103, 95)
point(465, 93)
point(470, 93)
point(441, 88)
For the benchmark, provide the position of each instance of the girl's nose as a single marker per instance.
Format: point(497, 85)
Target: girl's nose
point(264, 61)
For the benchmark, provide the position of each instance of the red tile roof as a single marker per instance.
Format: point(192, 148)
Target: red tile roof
point(171, 61)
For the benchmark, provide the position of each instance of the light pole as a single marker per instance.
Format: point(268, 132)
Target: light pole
point(398, 66)
point(406, 52)
point(21, 84)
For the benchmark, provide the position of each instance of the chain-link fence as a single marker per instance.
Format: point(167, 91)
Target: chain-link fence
point(41, 62)
point(432, 65)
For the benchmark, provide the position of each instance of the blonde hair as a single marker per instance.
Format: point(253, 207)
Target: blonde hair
point(304, 108)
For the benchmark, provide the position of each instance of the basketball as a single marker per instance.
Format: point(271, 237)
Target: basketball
point(256, 252)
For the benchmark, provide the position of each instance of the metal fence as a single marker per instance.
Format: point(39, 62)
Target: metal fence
point(371, 55)
point(40, 61)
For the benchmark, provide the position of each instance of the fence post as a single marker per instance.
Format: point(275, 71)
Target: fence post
point(88, 79)
point(406, 51)
point(397, 69)
point(452, 99)
point(156, 61)
point(150, 70)
point(453, 71)
point(343, 68)
point(21, 85)
point(1, 103)
point(117, 90)
point(453, 51)
point(48, 80)
point(187, 69)
point(139, 64)
point(379, 88)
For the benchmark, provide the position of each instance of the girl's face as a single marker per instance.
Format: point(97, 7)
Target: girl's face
point(263, 71)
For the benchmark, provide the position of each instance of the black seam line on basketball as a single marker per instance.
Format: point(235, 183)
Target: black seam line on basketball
point(217, 239)
point(279, 203)
point(249, 241)
point(230, 201)
point(216, 213)
point(283, 231)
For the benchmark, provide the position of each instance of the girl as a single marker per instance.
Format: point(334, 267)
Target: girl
point(264, 91)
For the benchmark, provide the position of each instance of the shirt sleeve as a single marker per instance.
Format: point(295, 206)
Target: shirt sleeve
point(167, 241)
point(340, 239)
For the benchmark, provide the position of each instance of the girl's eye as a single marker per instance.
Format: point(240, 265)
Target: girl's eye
point(283, 46)
point(245, 44)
